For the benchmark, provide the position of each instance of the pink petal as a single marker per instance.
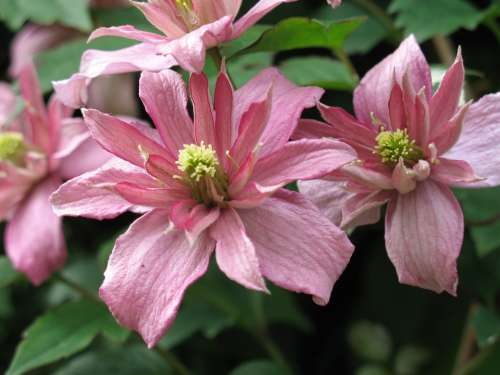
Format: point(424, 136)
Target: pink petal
point(334, 3)
point(164, 16)
point(252, 195)
point(404, 179)
point(302, 160)
point(36, 246)
point(156, 197)
point(373, 93)
point(115, 94)
point(313, 129)
point(235, 252)
point(289, 101)
point(148, 273)
point(424, 232)
point(92, 194)
point(450, 132)
point(204, 125)
point(162, 169)
point(223, 105)
point(7, 103)
point(309, 260)
point(355, 209)
point(128, 32)
point(371, 178)
point(445, 101)
point(478, 144)
point(397, 113)
point(165, 99)
point(454, 172)
point(94, 63)
point(14, 184)
point(254, 15)
point(73, 133)
point(121, 138)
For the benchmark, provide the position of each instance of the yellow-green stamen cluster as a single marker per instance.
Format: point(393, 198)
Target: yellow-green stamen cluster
point(12, 147)
point(203, 173)
point(395, 145)
point(186, 11)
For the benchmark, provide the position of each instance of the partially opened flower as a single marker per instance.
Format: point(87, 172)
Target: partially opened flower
point(413, 145)
point(189, 28)
point(38, 151)
point(215, 183)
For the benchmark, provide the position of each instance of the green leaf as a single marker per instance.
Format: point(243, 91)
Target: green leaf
point(133, 360)
point(260, 367)
point(487, 326)
point(410, 359)
point(437, 17)
point(478, 209)
point(370, 33)
point(372, 370)
point(7, 274)
point(370, 341)
point(64, 331)
point(318, 71)
point(247, 39)
point(295, 33)
point(487, 362)
point(72, 13)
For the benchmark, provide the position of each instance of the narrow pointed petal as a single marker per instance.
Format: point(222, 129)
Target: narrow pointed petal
point(369, 177)
point(128, 32)
point(424, 233)
point(302, 160)
point(373, 93)
point(164, 16)
point(313, 129)
point(165, 99)
point(137, 288)
point(92, 194)
point(308, 261)
point(204, 125)
point(235, 252)
point(358, 205)
point(478, 143)
point(254, 15)
point(397, 114)
point(445, 101)
point(223, 105)
point(147, 196)
point(36, 247)
point(289, 101)
point(121, 138)
point(451, 132)
point(454, 173)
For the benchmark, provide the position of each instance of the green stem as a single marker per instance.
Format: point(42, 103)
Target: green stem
point(467, 343)
point(77, 288)
point(173, 361)
point(170, 358)
point(380, 14)
point(216, 56)
point(344, 59)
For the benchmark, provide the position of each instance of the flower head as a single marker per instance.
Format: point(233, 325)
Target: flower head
point(412, 145)
point(211, 183)
point(12, 147)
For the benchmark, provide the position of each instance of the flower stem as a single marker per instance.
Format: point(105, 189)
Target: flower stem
point(170, 358)
point(467, 342)
point(444, 48)
point(380, 14)
point(173, 361)
point(344, 59)
point(216, 56)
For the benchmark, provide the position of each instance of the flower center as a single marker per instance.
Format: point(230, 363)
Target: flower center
point(12, 147)
point(186, 11)
point(202, 172)
point(395, 145)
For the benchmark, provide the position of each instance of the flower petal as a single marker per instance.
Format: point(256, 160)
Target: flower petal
point(204, 125)
point(147, 196)
point(235, 252)
point(478, 143)
point(373, 93)
point(148, 273)
point(356, 208)
point(223, 105)
point(454, 172)
point(424, 232)
point(36, 247)
point(309, 260)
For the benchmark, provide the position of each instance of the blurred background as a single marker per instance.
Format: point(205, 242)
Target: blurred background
point(373, 325)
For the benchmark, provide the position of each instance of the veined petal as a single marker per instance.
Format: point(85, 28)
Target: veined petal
point(204, 125)
point(164, 16)
point(423, 235)
point(313, 129)
point(165, 99)
point(404, 179)
point(127, 31)
point(358, 205)
point(454, 173)
point(223, 105)
point(235, 252)
point(147, 196)
point(308, 261)
point(36, 247)
point(148, 273)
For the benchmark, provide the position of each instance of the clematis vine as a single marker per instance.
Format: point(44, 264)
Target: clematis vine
point(37, 151)
point(212, 183)
point(189, 27)
point(413, 146)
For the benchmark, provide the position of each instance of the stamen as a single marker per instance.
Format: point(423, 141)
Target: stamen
point(12, 147)
point(395, 145)
point(186, 11)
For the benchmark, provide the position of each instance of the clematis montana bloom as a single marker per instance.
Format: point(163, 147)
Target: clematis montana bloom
point(37, 152)
point(189, 27)
point(215, 183)
point(413, 145)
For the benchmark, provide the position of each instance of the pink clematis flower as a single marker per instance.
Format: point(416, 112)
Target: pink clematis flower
point(413, 145)
point(190, 28)
point(215, 183)
point(37, 152)
point(334, 3)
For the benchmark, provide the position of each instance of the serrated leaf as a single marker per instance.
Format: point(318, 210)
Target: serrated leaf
point(61, 332)
point(437, 17)
point(487, 326)
point(132, 360)
point(260, 367)
point(7, 274)
point(318, 71)
point(298, 32)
